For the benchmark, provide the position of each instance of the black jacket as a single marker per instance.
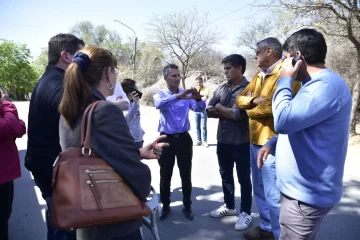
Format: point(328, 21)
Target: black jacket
point(112, 141)
point(43, 127)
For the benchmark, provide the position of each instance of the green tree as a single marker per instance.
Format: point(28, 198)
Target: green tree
point(100, 36)
point(16, 73)
point(41, 62)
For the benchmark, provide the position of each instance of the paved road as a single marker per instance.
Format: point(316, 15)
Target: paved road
point(27, 221)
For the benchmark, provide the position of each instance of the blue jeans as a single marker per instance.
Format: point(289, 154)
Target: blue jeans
point(54, 233)
point(267, 196)
point(201, 122)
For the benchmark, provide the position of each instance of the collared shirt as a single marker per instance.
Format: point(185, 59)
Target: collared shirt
point(231, 131)
point(173, 112)
point(270, 69)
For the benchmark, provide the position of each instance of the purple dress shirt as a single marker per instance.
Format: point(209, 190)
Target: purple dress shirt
point(174, 113)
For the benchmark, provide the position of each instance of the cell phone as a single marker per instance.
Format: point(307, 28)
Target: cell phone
point(295, 59)
point(137, 91)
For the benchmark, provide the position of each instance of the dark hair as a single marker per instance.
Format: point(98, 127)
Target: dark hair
point(128, 84)
point(168, 67)
point(78, 83)
point(272, 43)
point(62, 42)
point(310, 43)
point(236, 60)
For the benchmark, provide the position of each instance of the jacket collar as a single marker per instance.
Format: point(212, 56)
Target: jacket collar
point(53, 67)
point(97, 94)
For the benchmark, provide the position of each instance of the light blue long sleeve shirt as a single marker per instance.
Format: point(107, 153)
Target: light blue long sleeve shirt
point(313, 137)
point(174, 113)
point(133, 119)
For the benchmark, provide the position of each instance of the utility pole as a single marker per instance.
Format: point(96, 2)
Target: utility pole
point(133, 56)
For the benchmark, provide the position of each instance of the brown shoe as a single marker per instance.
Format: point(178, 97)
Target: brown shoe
point(258, 234)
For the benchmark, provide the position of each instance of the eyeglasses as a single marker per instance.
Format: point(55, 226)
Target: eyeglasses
point(257, 52)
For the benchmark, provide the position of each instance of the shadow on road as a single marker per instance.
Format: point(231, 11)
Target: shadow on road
point(26, 220)
point(204, 227)
point(343, 222)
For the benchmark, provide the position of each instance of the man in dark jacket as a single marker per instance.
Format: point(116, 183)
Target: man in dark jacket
point(43, 122)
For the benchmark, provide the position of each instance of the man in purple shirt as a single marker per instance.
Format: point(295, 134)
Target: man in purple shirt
point(174, 104)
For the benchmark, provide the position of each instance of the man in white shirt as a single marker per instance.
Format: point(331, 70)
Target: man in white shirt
point(119, 97)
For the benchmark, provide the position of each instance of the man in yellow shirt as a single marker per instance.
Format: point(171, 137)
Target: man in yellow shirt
point(256, 99)
point(201, 117)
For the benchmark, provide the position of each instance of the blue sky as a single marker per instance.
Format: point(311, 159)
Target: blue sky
point(34, 22)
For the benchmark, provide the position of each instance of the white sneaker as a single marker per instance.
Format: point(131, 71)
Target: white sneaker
point(205, 144)
point(243, 222)
point(199, 143)
point(223, 211)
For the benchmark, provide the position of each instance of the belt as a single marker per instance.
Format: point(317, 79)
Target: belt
point(175, 135)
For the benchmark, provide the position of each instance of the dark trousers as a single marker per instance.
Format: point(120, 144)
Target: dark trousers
point(228, 155)
point(181, 148)
point(6, 201)
point(55, 233)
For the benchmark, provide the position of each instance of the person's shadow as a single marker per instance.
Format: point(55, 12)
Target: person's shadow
point(27, 220)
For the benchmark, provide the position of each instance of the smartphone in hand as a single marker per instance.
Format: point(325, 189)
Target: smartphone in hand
point(137, 92)
point(295, 59)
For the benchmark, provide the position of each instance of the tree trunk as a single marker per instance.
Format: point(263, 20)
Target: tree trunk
point(183, 77)
point(355, 105)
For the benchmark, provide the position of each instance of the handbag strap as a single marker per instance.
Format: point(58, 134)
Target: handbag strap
point(86, 143)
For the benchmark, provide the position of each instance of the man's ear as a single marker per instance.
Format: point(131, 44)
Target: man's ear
point(65, 57)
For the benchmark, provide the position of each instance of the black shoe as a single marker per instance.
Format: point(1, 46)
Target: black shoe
point(258, 233)
point(164, 212)
point(188, 213)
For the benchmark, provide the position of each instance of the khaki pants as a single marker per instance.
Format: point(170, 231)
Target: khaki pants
point(299, 220)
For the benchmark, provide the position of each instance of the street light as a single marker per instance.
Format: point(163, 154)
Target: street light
point(132, 59)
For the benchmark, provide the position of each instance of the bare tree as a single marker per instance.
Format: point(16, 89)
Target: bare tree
point(181, 36)
point(338, 18)
point(280, 26)
point(208, 61)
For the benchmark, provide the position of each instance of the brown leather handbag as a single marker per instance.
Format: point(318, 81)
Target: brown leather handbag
point(87, 192)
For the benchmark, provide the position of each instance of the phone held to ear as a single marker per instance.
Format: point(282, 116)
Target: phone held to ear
point(295, 59)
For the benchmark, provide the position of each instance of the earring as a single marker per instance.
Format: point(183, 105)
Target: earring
point(109, 85)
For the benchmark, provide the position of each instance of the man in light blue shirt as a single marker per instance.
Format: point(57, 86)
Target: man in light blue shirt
point(313, 136)
point(174, 105)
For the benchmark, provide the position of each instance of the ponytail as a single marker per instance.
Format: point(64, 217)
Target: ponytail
point(83, 74)
point(77, 94)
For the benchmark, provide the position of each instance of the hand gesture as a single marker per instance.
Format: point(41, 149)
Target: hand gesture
point(191, 93)
point(262, 155)
point(154, 149)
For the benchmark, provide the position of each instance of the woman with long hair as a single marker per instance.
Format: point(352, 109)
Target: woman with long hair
point(92, 77)
point(11, 127)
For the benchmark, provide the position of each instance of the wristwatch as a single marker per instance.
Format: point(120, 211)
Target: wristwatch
point(252, 104)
